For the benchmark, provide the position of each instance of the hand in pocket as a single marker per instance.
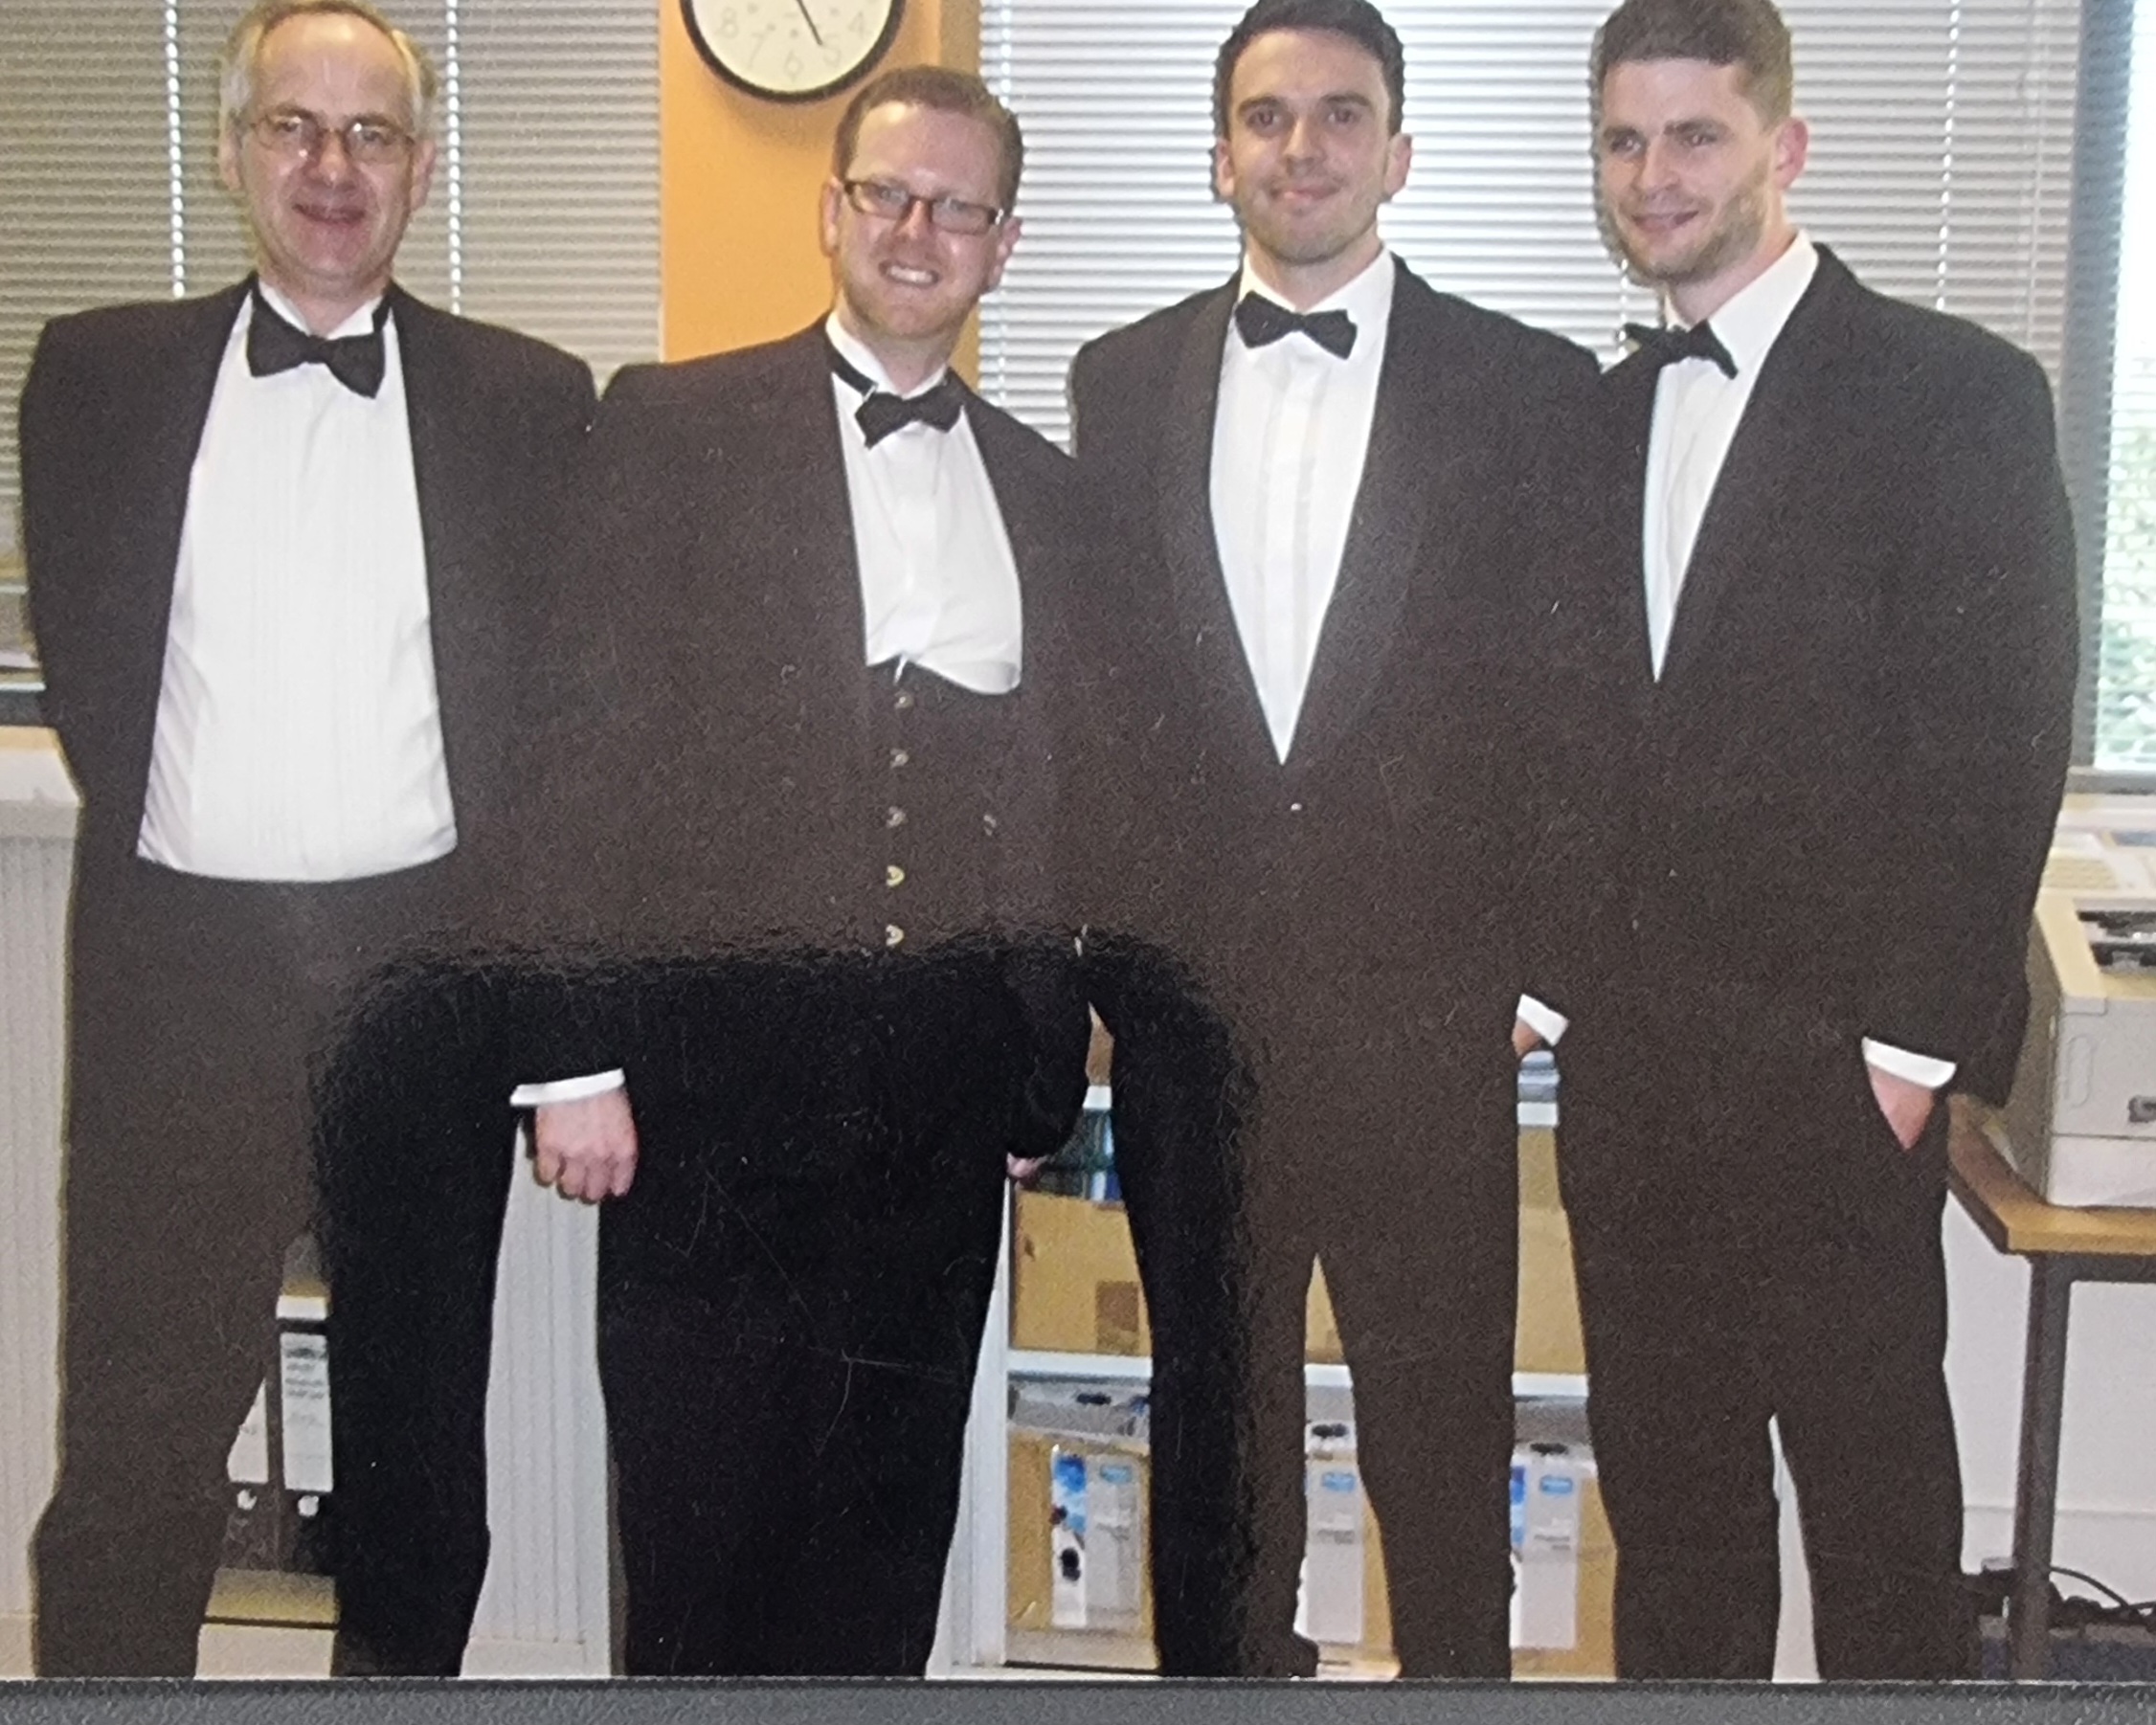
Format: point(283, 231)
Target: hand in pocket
point(1906, 1103)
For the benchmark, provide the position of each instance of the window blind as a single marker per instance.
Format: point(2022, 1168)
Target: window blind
point(2125, 656)
point(1941, 169)
point(545, 209)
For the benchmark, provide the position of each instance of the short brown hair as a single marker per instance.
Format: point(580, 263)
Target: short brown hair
point(1358, 21)
point(1747, 34)
point(243, 53)
point(947, 92)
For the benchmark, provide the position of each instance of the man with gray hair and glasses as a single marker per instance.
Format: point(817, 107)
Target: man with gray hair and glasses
point(277, 542)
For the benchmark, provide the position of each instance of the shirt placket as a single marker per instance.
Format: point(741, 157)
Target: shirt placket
point(1284, 543)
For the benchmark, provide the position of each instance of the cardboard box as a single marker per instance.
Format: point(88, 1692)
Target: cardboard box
point(1034, 1636)
point(1548, 1337)
point(1074, 1286)
point(1032, 1575)
point(1593, 1653)
point(1031, 1569)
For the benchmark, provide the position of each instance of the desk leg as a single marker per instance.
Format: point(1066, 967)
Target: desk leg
point(2036, 1492)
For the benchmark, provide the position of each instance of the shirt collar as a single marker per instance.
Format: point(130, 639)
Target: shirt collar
point(858, 354)
point(1367, 299)
point(1752, 320)
point(360, 322)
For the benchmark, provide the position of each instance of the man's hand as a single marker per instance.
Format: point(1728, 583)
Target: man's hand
point(586, 1149)
point(1022, 1168)
point(1526, 1038)
point(1906, 1103)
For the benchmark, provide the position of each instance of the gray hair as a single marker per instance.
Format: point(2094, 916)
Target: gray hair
point(243, 53)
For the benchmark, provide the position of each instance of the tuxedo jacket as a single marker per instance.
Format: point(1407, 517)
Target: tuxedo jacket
point(1832, 808)
point(704, 763)
point(112, 415)
point(1400, 834)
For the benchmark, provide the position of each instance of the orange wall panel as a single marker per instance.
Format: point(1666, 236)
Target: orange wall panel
point(738, 181)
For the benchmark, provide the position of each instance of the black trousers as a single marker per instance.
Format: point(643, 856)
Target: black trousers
point(790, 1306)
point(417, 1143)
point(1350, 1120)
point(1751, 1241)
point(198, 1017)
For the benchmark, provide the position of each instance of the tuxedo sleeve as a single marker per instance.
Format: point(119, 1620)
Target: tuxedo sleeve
point(58, 466)
point(1044, 980)
point(571, 877)
point(1568, 714)
point(1984, 623)
point(1113, 823)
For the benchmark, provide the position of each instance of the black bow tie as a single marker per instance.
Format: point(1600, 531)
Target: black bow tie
point(881, 413)
point(1261, 322)
point(1665, 346)
point(354, 361)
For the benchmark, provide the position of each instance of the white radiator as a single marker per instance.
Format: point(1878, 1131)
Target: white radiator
point(36, 851)
point(544, 1610)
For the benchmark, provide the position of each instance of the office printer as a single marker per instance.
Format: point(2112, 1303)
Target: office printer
point(2080, 1124)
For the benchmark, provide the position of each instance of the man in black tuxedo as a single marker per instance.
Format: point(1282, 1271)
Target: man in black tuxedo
point(277, 543)
point(1841, 645)
point(805, 709)
point(1329, 483)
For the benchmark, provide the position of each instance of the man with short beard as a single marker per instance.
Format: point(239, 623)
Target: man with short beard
point(1841, 647)
point(1329, 484)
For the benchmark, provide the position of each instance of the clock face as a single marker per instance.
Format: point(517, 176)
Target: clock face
point(791, 50)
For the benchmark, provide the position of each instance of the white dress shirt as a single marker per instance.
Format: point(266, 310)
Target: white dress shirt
point(1697, 408)
point(938, 581)
point(1697, 411)
point(1290, 438)
point(299, 732)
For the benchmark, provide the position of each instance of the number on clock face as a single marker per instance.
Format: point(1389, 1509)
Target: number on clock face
point(791, 50)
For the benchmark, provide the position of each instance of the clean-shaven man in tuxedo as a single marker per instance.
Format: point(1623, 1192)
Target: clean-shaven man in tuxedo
point(801, 776)
point(1329, 483)
point(1842, 651)
point(279, 545)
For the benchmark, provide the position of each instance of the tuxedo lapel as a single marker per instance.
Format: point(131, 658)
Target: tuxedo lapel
point(1016, 500)
point(1410, 467)
point(1772, 441)
point(446, 458)
point(1631, 393)
point(470, 600)
point(817, 505)
point(173, 392)
point(1206, 621)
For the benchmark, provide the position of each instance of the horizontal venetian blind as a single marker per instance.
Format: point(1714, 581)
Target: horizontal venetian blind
point(87, 187)
point(1943, 142)
point(545, 211)
point(2125, 682)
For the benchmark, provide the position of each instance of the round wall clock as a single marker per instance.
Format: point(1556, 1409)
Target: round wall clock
point(791, 50)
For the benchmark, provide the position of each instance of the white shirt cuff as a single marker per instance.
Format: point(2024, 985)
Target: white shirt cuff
point(1916, 1068)
point(1545, 1022)
point(567, 1090)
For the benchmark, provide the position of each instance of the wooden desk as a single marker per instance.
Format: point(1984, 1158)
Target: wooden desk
point(2063, 1246)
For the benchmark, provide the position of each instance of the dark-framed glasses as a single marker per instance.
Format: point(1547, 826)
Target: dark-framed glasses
point(891, 202)
point(369, 141)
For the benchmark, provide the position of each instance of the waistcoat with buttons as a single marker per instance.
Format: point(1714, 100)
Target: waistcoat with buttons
point(955, 803)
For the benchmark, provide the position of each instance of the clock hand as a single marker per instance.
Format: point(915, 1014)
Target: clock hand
point(810, 22)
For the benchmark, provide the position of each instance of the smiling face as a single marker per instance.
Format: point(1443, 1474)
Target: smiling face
point(1308, 157)
point(1691, 178)
point(327, 228)
point(905, 288)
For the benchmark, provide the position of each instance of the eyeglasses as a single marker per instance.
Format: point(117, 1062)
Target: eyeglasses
point(894, 203)
point(299, 135)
